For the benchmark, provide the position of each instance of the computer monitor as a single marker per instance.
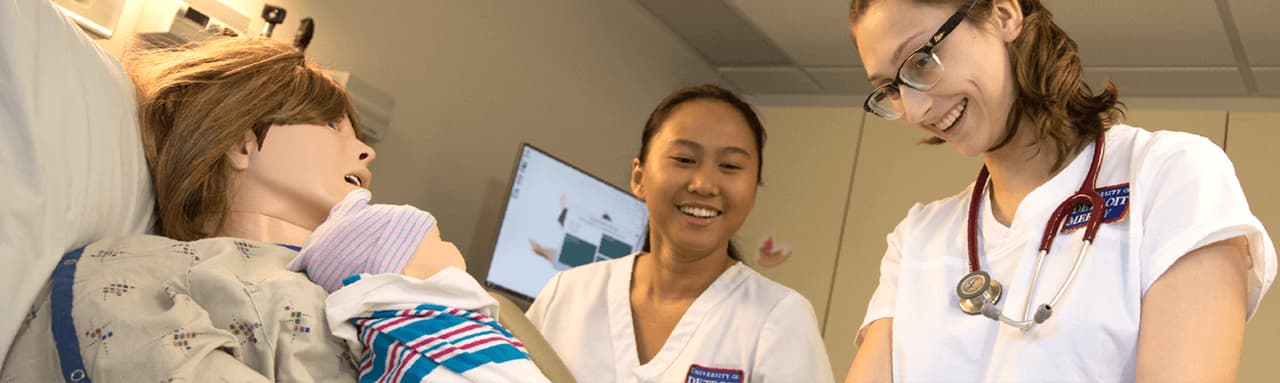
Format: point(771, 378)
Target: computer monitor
point(558, 217)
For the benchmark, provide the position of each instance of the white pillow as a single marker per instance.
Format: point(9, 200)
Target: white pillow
point(70, 154)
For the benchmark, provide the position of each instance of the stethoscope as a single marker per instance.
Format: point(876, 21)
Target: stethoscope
point(979, 294)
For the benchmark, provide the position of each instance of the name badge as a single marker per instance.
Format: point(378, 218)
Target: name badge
point(1115, 199)
point(700, 374)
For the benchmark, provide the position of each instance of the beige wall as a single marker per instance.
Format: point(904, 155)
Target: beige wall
point(808, 160)
point(473, 79)
point(893, 172)
point(1210, 124)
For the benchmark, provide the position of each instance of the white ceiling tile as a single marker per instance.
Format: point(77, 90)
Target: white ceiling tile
point(1151, 47)
point(841, 80)
point(812, 32)
point(1145, 32)
point(1259, 31)
point(1268, 81)
point(1109, 33)
point(1169, 82)
point(717, 31)
point(767, 80)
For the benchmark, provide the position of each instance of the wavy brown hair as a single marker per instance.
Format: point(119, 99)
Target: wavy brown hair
point(196, 102)
point(1049, 87)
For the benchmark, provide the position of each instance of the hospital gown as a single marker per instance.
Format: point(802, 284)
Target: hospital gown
point(151, 309)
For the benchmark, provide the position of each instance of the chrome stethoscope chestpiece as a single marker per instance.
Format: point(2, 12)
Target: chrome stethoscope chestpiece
point(976, 290)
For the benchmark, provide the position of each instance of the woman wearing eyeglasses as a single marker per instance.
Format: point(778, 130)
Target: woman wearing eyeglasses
point(1085, 250)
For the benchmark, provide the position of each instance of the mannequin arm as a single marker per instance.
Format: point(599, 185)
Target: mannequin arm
point(432, 255)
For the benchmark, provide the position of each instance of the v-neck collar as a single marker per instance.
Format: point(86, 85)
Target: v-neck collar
point(995, 236)
point(623, 327)
point(1048, 195)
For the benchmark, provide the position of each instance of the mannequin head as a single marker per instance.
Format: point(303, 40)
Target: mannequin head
point(244, 126)
point(292, 178)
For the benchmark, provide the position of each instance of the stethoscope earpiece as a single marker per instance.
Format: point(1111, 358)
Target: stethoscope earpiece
point(977, 291)
point(1043, 313)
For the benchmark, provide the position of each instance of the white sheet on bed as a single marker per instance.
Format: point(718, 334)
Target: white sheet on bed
point(70, 154)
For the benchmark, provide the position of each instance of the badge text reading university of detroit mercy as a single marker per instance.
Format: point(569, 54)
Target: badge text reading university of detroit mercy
point(1115, 198)
point(700, 374)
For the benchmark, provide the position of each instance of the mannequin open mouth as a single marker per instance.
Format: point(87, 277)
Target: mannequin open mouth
point(354, 180)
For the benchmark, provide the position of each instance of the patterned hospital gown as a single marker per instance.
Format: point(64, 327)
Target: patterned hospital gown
point(151, 309)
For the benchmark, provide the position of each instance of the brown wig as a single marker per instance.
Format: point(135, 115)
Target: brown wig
point(681, 96)
point(196, 102)
point(1049, 88)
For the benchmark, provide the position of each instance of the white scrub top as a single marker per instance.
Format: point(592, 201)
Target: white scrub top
point(1167, 194)
point(744, 327)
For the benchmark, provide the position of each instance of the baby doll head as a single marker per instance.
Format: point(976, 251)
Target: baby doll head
point(362, 238)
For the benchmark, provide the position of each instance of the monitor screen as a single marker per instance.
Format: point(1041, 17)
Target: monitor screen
point(558, 217)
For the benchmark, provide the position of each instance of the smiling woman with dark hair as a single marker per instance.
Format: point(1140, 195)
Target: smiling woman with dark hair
point(686, 308)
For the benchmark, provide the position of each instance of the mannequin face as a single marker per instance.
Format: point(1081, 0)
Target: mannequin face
point(300, 172)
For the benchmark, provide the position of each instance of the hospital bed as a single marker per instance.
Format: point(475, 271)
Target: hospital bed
point(72, 161)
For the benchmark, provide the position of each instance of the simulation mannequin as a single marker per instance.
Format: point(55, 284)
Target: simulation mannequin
point(249, 146)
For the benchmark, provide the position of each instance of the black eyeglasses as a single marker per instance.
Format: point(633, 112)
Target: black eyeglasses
point(920, 71)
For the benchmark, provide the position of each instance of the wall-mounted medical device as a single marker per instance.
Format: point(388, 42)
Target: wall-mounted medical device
point(273, 16)
point(96, 16)
point(173, 22)
point(372, 104)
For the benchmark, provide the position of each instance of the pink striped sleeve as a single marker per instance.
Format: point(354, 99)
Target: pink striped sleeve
point(362, 238)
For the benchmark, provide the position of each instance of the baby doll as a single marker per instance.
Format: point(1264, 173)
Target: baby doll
point(400, 297)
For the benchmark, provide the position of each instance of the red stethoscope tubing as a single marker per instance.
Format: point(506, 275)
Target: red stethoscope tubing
point(1087, 194)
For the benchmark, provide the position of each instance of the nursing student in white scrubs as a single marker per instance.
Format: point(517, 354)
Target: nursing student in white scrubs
point(1178, 263)
point(686, 309)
